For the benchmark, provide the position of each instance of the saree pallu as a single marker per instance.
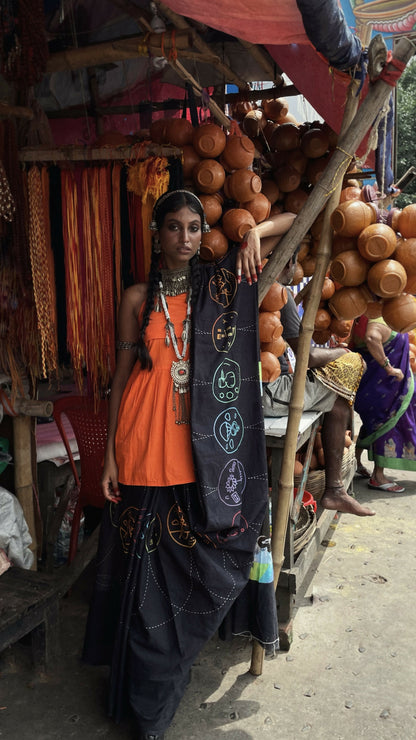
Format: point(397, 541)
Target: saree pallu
point(387, 408)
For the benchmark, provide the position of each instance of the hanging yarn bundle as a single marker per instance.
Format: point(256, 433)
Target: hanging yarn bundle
point(43, 276)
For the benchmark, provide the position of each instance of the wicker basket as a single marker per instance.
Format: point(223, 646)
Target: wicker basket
point(315, 482)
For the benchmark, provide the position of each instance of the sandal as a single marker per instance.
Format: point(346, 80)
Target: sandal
point(389, 487)
point(362, 471)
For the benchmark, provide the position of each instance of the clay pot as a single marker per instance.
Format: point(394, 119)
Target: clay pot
point(340, 327)
point(277, 346)
point(254, 122)
point(407, 221)
point(377, 242)
point(209, 175)
point(288, 118)
point(405, 253)
point(350, 193)
point(349, 268)
point(212, 205)
point(285, 137)
point(275, 298)
point(315, 169)
point(179, 131)
point(332, 135)
point(387, 278)
point(349, 302)
point(328, 289)
point(268, 130)
point(316, 227)
point(238, 152)
point(393, 219)
point(296, 158)
point(298, 275)
point(241, 108)
point(189, 160)
point(374, 309)
point(236, 222)
point(243, 185)
point(209, 140)
point(271, 190)
point(400, 312)
point(321, 336)
point(259, 207)
point(270, 367)
point(304, 247)
point(295, 200)
point(287, 178)
point(158, 131)
point(351, 217)
point(275, 108)
point(342, 244)
point(309, 265)
point(214, 244)
point(270, 326)
point(314, 143)
point(322, 319)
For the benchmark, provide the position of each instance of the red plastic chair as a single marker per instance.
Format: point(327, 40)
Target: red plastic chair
point(90, 430)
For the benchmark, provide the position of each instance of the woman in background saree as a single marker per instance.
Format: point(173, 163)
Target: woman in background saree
point(386, 402)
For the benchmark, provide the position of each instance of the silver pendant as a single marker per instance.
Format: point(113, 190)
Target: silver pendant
point(180, 375)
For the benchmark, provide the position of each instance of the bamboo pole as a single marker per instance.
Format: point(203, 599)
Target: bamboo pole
point(22, 446)
point(347, 145)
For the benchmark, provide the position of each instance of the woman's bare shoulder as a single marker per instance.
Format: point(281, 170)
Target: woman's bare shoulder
point(135, 295)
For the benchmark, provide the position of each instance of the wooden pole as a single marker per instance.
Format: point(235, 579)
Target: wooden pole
point(347, 145)
point(22, 446)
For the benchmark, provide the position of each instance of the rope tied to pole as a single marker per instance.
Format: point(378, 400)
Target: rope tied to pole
point(390, 76)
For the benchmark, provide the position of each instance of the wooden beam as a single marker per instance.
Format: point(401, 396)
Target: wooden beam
point(15, 111)
point(262, 59)
point(93, 154)
point(213, 106)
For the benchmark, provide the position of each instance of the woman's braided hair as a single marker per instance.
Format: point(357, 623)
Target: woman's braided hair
point(167, 203)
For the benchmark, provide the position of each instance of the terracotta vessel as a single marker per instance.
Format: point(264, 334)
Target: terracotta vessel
point(374, 309)
point(212, 205)
point(296, 158)
point(214, 244)
point(349, 302)
point(315, 169)
point(259, 207)
point(328, 289)
point(342, 244)
point(287, 178)
point(236, 222)
point(393, 219)
point(285, 137)
point(189, 160)
point(243, 185)
point(340, 327)
point(270, 326)
point(298, 275)
point(270, 367)
point(351, 217)
point(209, 176)
point(400, 312)
point(332, 135)
point(309, 265)
point(179, 131)
point(322, 319)
point(271, 190)
point(377, 242)
point(405, 253)
point(350, 193)
point(158, 130)
point(209, 140)
point(238, 152)
point(314, 143)
point(275, 298)
point(254, 122)
point(316, 227)
point(349, 268)
point(406, 221)
point(321, 336)
point(241, 108)
point(387, 278)
point(277, 346)
point(268, 130)
point(275, 108)
point(295, 200)
point(304, 247)
point(288, 118)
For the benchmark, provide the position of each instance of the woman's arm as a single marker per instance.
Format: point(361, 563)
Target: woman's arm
point(259, 242)
point(376, 334)
point(128, 332)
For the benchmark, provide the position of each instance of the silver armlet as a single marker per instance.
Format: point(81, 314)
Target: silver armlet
point(126, 345)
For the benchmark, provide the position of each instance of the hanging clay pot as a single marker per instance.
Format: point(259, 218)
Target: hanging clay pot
point(314, 143)
point(340, 327)
point(236, 222)
point(387, 278)
point(254, 122)
point(349, 268)
point(189, 160)
point(393, 218)
point(270, 326)
point(328, 289)
point(349, 302)
point(277, 346)
point(295, 200)
point(214, 244)
point(158, 131)
point(270, 189)
point(322, 319)
point(275, 108)
point(296, 158)
point(212, 205)
point(270, 367)
point(243, 185)
point(259, 207)
point(275, 298)
point(285, 137)
point(287, 178)
point(288, 118)
point(406, 254)
point(209, 176)
point(374, 309)
point(241, 108)
point(407, 221)
point(315, 169)
point(238, 152)
point(269, 130)
point(377, 242)
point(400, 312)
point(208, 140)
point(342, 244)
point(321, 336)
point(298, 274)
point(350, 193)
point(351, 217)
point(179, 131)
point(332, 135)
point(309, 265)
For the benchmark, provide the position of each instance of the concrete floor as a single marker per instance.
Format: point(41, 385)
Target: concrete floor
point(350, 672)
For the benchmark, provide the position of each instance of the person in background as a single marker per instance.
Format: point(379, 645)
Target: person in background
point(386, 403)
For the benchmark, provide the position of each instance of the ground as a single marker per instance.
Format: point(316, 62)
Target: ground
point(350, 672)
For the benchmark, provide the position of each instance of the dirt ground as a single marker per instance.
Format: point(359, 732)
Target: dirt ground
point(350, 672)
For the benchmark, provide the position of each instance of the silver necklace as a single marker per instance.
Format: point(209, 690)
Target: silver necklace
point(180, 371)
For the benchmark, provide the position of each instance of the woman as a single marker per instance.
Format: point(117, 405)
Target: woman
point(186, 484)
point(386, 403)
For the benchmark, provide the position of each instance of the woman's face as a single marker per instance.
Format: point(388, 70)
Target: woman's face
point(180, 237)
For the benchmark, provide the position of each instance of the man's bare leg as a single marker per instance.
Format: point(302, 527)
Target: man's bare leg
point(335, 496)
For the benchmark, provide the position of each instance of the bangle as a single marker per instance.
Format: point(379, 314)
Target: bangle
point(126, 345)
point(386, 362)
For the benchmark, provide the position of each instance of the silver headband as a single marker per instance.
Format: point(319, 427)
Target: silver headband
point(153, 224)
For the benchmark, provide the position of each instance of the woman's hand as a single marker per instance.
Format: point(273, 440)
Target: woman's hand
point(395, 372)
point(249, 257)
point(109, 483)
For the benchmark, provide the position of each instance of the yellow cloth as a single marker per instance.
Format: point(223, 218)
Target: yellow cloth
point(342, 375)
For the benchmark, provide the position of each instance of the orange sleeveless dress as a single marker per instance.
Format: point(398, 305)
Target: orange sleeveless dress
point(151, 449)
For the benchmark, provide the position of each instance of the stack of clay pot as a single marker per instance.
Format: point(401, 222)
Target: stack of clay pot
point(374, 264)
point(272, 344)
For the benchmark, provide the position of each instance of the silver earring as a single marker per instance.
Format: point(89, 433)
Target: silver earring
point(198, 251)
point(156, 245)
